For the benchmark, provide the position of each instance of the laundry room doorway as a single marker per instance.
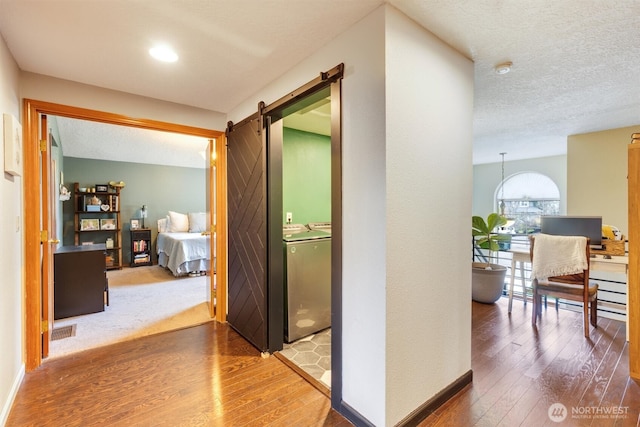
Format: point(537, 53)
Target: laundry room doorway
point(257, 215)
point(306, 204)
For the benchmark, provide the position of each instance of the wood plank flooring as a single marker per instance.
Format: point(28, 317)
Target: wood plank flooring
point(209, 376)
point(519, 372)
point(201, 376)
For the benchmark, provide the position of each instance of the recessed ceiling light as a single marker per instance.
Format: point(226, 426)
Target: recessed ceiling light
point(503, 68)
point(163, 53)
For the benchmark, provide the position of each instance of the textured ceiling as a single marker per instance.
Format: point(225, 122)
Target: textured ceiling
point(575, 68)
point(93, 140)
point(574, 61)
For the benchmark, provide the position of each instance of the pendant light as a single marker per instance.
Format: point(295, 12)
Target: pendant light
point(502, 204)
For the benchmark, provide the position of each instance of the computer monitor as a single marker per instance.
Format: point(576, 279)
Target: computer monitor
point(588, 226)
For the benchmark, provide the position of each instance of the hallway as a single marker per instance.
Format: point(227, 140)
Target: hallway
point(200, 376)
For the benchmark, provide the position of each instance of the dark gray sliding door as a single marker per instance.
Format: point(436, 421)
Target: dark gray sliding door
point(246, 200)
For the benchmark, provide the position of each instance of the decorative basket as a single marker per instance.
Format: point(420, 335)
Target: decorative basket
point(611, 247)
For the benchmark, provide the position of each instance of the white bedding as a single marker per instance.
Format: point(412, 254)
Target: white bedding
point(183, 253)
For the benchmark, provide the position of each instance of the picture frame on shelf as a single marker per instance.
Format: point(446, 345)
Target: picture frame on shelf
point(135, 224)
point(108, 224)
point(102, 188)
point(89, 224)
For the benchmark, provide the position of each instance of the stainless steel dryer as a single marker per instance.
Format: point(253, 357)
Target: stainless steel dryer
point(307, 257)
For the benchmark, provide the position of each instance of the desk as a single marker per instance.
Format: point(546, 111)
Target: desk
point(610, 274)
point(80, 280)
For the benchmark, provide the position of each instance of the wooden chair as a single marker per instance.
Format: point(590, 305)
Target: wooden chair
point(573, 287)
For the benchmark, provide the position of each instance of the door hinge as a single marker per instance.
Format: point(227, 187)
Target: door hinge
point(43, 145)
point(45, 326)
point(44, 236)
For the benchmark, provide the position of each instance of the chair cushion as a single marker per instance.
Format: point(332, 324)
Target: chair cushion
point(547, 286)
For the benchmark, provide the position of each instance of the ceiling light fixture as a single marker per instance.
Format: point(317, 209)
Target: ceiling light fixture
point(163, 53)
point(503, 68)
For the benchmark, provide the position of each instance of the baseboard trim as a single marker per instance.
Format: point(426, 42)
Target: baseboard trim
point(430, 406)
point(354, 416)
point(6, 407)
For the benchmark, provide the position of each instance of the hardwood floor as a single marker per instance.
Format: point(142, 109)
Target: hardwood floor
point(519, 372)
point(209, 376)
point(201, 376)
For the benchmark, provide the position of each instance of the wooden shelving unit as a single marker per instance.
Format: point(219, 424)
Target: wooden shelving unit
point(141, 247)
point(97, 220)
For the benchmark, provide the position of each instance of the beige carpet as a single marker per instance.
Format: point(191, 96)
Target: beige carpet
point(142, 301)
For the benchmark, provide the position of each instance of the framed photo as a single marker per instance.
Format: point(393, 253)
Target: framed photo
point(108, 224)
point(102, 188)
point(12, 145)
point(89, 224)
point(135, 224)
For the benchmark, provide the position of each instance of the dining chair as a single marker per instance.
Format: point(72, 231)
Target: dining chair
point(560, 268)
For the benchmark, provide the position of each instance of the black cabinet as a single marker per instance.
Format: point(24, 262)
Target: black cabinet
point(140, 247)
point(80, 280)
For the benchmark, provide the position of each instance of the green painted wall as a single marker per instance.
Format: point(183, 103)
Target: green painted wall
point(306, 176)
point(161, 188)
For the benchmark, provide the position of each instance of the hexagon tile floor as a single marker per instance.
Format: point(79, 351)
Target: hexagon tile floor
point(313, 355)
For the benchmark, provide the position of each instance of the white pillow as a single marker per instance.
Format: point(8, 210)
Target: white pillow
point(163, 225)
point(197, 222)
point(178, 223)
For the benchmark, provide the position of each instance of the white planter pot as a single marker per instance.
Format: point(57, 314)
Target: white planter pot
point(487, 284)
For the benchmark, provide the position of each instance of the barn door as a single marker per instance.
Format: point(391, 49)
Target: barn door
point(247, 235)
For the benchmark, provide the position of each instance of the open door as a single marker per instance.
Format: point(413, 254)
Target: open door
point(210, 201)
point(215, 201)
point(39, 245)
point(47, 233)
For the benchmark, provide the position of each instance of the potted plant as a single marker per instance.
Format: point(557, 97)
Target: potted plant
point(487, 279)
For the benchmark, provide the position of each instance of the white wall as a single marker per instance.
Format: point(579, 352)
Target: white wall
point(429, 116)
point(50, 89)
point(389, 278)
point(11, 249)
point(487, 177)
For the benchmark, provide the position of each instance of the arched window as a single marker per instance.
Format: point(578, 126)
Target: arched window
point(525, 197)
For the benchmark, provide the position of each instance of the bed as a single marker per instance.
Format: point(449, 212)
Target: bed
point(181, 247)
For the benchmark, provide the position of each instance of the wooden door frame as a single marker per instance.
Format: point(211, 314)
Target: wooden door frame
point(47, 184)
point(31, 181)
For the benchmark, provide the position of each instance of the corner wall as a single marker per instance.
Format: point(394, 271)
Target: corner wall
point(389, 230)
point(597, 175)
point(429, 118)
point(11, 249)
